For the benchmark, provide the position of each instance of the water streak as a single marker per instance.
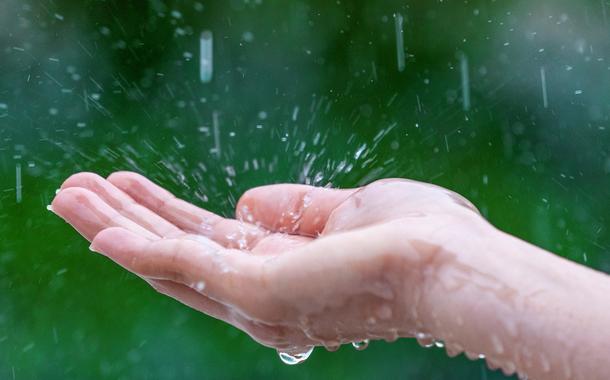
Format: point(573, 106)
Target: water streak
point(206, 56)
point(545, 98)
point(465, 71)
point(18, 183)
point(400, 44)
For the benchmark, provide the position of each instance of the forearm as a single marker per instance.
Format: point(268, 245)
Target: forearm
point(521, 307)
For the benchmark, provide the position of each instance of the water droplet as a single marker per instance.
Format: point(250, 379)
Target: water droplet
point(206, 227)
point(50, 208)
point(292, 359)
point(306, 201)
point(424, 340)
point(439, 343)
point(200, 286)
point(247, 36)
point(361, 345)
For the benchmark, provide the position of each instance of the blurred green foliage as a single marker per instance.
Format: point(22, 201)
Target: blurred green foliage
point(299, 89)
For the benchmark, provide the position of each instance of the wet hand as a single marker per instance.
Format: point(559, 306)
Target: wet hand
point(299, 266)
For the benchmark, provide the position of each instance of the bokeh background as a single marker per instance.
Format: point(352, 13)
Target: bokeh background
point(504, 102)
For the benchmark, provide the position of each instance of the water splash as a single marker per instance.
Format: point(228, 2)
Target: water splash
point(292, 359)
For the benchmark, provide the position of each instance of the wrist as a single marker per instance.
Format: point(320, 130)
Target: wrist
point(464, 264)
point(516, 304)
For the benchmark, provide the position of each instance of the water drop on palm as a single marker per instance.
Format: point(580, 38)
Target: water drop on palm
point(361, 345)
point(292, 359)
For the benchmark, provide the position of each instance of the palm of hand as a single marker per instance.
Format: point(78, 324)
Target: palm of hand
point(300, 266)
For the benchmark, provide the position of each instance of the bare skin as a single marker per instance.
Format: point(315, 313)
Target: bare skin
point(302, 266)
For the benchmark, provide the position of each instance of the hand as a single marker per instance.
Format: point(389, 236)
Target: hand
point(299, 266)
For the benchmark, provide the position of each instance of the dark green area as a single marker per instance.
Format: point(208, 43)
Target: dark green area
point(108, 85)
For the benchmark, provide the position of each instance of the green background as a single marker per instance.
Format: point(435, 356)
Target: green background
point(108, 85)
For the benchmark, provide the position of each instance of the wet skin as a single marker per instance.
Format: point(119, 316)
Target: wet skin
point(301, 266)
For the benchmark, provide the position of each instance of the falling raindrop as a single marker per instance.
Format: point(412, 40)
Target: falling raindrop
point(206, 59)
point(18, 186)
point(400, 45)
point(545, 96)
point(465, 72)
point(292, 359)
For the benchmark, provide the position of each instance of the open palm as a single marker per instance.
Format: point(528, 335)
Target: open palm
point(299, 266)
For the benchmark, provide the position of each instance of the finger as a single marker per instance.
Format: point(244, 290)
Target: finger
point(192, 298)
point(228, 232)
point(272, 336)
point(89, 214)
point(227, 276)
point(298, 209)
point(123, 204)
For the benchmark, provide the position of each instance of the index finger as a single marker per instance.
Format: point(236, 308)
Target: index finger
point(230, 277)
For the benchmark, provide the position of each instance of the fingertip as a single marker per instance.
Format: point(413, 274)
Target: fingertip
point(66, 199)
point(260, 200)
point(82, 179)
point(74, 205)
